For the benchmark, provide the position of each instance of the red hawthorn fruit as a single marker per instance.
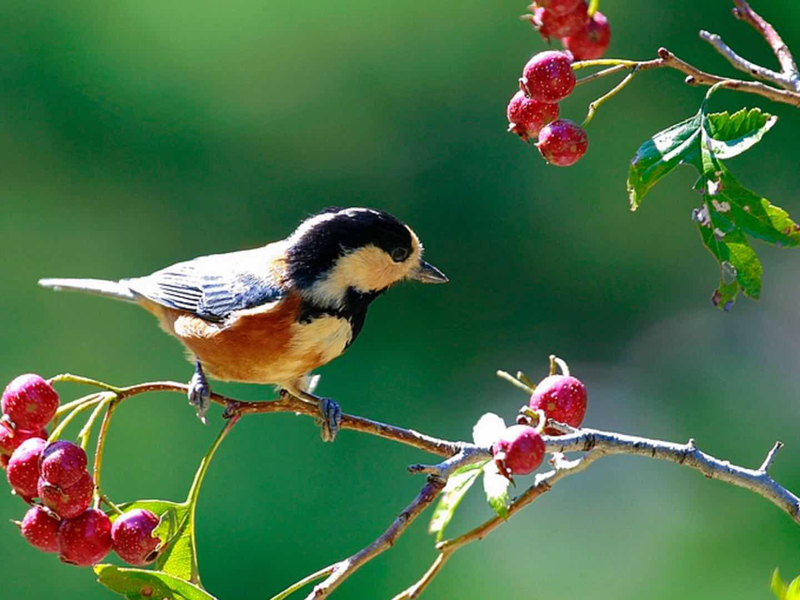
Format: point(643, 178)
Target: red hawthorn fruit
point(86, 539)
point(519, 451)
point(526, 116)
point(559, 7)
point(70, 501)
point(550, 25)
point(40, 528)
point(132, 535)
point(11, 439)
point(63, 463)
point(592, 41)
point(29, 401)
point(548, 76)
point(562, 398)
point(562, 143)
point(23, 468)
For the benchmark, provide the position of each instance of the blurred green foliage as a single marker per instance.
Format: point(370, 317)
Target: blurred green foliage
point(137, 134)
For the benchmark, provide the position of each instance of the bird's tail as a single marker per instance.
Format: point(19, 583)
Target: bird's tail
point(101, 287)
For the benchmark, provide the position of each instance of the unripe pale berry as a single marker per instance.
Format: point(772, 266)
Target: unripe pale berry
point(40, 528)
point(63, 463)
point(592, 41)
point(559, 7)
point(23, 468)
point(548, 76)
point(550, 25)
point(29, 401)
point(562, 398)
point(132, 535)
point(70, 501)
point(11, 439)
point(562, 143)
point(86, 539)
point(519, 451)
point(526, 116)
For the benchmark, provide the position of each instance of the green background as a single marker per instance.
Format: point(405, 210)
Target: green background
point(137, 134)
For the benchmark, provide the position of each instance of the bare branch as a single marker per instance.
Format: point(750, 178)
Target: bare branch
point(743, 64)
point(745, 13)
point(770, 457)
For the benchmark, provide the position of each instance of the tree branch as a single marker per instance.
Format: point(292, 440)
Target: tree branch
point(742, 64)
point(745, 13)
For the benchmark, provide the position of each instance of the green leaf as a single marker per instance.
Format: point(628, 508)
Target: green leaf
point(176, 531)
point(496, 488)
point(659, 155)
point(141, 584)
point(458, 484)
point(730, 135)
point(777, 586)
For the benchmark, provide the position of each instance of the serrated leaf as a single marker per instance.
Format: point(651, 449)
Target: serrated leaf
point(457, 485)
point(176, 531)
point(730, 135)
point(141, 584)
point(793, 591)
point(777, 586)
point(659, 155)
point(488, 430)
point(496, 488)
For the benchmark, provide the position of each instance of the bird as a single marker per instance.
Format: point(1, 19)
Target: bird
point(273, 314)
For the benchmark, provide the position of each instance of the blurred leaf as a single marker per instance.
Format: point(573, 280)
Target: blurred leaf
point(457, 485)
point(488, 430)
point(730, 135)
point(140, 584)
point(659, 155)
point(777, 586)
point(176, 531)
point(496, 488)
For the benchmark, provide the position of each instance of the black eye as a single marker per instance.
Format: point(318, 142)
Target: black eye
point(399, 254)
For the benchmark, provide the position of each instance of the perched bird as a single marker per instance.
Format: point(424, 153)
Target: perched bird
point(273, 314)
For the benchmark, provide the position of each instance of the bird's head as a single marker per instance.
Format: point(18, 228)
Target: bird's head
point(342, 251)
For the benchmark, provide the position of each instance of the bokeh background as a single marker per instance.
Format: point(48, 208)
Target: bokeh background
point(137, 134)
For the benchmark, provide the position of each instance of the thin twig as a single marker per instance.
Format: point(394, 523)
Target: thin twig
point(101, 443)
point(345, 568)
point(742, 64)
point(745, 13)
point(694, 76)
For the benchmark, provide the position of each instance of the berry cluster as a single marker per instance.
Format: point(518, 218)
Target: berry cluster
point(546, 79)
point(56, 473)
point(521, 449)
point(586, 37)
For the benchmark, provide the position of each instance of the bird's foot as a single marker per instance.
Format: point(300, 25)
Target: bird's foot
point(200, 392)
point(330, 419)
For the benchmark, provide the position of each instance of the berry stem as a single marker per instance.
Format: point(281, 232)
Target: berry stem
point(593, 106)
point(86, 430)
point(86, 403)
point(68, 377)
point(593, 6)
point(562, 364)
point(101, 443)
point(101, 496)
point(603, 73)
point(515, 382)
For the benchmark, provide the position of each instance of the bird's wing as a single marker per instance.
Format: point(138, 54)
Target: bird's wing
point(213, 287)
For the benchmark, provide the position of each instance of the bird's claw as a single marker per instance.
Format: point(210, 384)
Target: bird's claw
point(200, 393)
point(330, 419)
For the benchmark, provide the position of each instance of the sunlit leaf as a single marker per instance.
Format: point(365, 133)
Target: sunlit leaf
point(458, 484)
point(140, 584)
point(730, 135)
point(496, 488)
point(488, 430)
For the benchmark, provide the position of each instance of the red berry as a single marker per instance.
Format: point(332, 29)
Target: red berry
point(40, 528)
point(29, 401)
point(526, 117)
point(10, 440)
point(552, 25)
point(562, 143)
point(558, 7)
point(70, 501)
point(562, 398)
point(86, 539)
point(548, 76)
point(132, 534)
point(520, 450)
point(592, 41)
point(63, 463)
point(23, 468)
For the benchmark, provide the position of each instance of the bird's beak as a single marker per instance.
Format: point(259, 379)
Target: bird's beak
point(427, 273)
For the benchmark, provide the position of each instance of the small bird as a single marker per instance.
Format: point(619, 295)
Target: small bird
point(273, 314)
